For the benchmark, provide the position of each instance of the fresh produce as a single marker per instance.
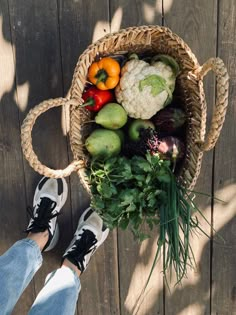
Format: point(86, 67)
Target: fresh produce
point(143, 89)
point(169, 120)
point(167, 60)
point(162, 62)
point(128, 192)
point(132, 171)
point(133, 148)
point(121, 135)
point(105, 73)
point(171, 148)
point(137, 125)
point(103, 143)
point(111, 116)
point(168, 148)
point(95, 99)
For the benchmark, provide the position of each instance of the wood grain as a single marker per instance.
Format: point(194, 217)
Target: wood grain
point(224, 253)
point(82, 22)
point(12, 183)
point(197, 27)
point(35, 36)
point(135, 260)
point(40, 42)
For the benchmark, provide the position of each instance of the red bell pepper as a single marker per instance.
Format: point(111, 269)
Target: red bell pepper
point(95, 99)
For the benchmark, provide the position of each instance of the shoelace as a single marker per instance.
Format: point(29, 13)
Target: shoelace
point(82, 247)
point(42, 216)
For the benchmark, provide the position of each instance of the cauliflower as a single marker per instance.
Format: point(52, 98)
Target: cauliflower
point(145, 89)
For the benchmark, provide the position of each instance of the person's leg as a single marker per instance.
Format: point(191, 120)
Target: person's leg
point(19, 264)
point(17, 267)
point(61, 290)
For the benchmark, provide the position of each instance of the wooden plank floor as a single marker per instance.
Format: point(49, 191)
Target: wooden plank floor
point(40, 42)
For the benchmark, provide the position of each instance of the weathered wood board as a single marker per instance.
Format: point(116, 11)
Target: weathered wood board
point(86, 23)
point(12, 179)
point(224, 252)
point(190, 21)
point(40, 42)
point(135, 260)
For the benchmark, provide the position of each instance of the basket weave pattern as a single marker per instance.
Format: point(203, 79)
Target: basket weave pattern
point(153, 39)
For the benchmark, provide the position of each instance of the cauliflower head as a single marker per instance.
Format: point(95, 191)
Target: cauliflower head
point(145, 89)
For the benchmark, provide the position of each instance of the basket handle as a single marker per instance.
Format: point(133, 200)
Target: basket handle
point(26, 140)
point(222, 91)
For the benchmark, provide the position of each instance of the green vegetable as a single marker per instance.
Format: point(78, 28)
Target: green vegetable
point(157, 83)
point(133, 93)
point(129, 192)
point(168, 60)
point(137, 126)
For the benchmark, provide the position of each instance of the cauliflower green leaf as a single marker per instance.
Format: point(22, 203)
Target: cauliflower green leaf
point(157, 83)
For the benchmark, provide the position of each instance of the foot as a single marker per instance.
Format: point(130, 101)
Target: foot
point(50, 196)
point(90, 234)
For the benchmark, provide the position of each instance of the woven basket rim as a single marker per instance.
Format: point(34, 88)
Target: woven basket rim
point(157, 39)
point(125, 31)
point(88, 56)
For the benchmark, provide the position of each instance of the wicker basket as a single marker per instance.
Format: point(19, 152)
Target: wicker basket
point(153, 39)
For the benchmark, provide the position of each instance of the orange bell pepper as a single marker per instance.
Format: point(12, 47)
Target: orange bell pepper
point(105, 73)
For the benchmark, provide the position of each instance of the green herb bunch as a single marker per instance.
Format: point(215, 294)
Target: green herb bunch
point(129, 192)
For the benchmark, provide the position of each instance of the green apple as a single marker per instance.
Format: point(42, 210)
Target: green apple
point(138, 124)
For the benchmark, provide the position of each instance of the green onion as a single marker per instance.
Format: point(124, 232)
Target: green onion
point(121, 195)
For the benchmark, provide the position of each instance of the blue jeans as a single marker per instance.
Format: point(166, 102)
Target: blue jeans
point(18, 266)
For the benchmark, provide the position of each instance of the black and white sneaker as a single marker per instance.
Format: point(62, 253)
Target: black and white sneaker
point(49, 197)
point(90, 234)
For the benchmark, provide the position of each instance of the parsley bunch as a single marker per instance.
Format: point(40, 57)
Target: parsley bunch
point(129, 192)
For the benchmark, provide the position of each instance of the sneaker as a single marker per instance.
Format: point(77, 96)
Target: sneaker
point(49, 197)
point(90, 234)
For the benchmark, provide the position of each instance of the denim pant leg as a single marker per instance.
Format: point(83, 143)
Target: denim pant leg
point(59, 294)
point(17, 267)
